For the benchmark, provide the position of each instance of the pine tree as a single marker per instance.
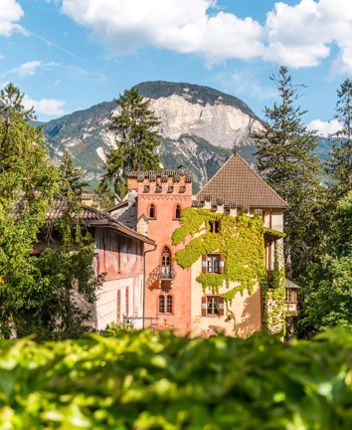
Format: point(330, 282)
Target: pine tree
point(286, 159)
point(71, 182)
point(137, 142)
point(339, 164)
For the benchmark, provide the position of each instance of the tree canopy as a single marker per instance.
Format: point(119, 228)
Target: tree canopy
point(286, 158)
point(37, 283)
point(136, 146)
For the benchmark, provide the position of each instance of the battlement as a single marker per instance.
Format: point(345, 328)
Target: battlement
point(168, 182)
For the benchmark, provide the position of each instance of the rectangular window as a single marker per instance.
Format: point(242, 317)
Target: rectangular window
point(291, 296)
point(127, 302)
point(212, 306)
point(169, 304)
point(214, 226)
point(213, 263)
point(118, 306)
point(268, 255)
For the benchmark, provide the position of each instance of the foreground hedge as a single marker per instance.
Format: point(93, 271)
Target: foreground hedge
point(157, 381)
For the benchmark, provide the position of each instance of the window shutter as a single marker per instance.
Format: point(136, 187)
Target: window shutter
point(221, 306)
point(204, 306)
point(204, 264)
point(222, 264)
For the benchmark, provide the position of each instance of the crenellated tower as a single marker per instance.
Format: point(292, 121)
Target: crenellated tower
point(160, 198)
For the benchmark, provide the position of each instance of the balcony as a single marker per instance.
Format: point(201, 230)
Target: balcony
point(166, 273)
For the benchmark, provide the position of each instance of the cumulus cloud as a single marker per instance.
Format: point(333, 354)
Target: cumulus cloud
point(324, 128)
point(297, 36)
point(48, 107)
point(181, 26)
point(302, 35)
point(11, 12)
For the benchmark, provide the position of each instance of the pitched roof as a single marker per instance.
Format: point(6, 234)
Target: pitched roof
point(237, 184)
point(95, 217)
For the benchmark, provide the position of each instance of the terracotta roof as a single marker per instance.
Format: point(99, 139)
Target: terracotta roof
point(236, 184)
point(95, 218)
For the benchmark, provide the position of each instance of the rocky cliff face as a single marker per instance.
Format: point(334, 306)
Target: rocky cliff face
point(200, 126)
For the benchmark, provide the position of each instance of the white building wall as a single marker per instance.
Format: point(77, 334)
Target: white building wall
point(106, 304)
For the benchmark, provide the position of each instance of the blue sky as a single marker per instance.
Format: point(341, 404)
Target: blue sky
point(70, 54)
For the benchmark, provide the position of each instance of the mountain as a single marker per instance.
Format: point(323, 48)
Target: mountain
point(200, 126)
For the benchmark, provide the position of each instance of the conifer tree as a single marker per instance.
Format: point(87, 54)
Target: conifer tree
point(137, 142)
point(286, 159)
point(339, 163)
point(71, 182)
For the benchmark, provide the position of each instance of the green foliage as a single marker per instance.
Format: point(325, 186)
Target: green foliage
point(339, 163)
point(71, 183)
point(240, 240)
point(274, 296)
point(286, 158)
point(38, 294)
point(327, 299)
point(27, 185)
point(145, 380)
point(137, 142)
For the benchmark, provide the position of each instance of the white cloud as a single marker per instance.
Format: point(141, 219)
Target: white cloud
point(30, 68)
point(10, 13)
point(302, 35)
point(297, 36)
point(324, 128)
point(48, 107)
point(27, 69)
point(181, 26)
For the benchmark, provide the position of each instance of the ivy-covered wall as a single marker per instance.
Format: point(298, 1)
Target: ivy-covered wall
point(241, 241)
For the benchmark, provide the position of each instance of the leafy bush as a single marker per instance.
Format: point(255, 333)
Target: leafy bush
point(143, 380)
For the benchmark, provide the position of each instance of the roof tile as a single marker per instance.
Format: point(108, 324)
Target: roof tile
point(237, 183)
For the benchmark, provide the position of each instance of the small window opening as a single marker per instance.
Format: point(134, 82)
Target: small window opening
point(152, 212)
point(178, 212)
point(214, 226)
point(161, 304)
point(213, 305)
point(169, 304)
point(213, 263)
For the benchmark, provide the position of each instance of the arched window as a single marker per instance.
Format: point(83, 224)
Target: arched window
point(178, 212)
point(169, 304)
point(161, 304)
point(166, 263)
point(152, 212)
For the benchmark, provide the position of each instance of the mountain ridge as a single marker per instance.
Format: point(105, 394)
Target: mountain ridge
point(200, 125)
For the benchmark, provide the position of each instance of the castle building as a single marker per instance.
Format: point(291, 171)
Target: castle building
point(175, 295)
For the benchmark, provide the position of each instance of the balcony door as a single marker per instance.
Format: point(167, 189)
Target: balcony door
point(166, 263)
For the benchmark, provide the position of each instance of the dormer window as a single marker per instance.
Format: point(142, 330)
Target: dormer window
point(214, 226)
point(152, 212)
point(178, 212)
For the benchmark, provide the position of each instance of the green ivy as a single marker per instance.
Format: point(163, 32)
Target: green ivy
point(241, 242)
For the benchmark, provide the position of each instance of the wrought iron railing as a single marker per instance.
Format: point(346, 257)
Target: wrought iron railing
point(166, 274)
